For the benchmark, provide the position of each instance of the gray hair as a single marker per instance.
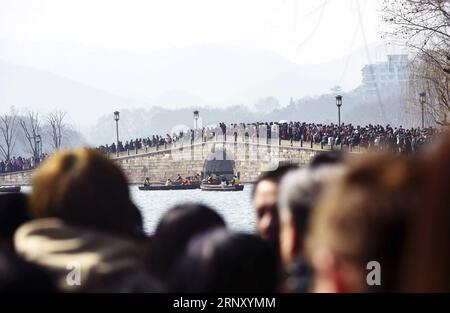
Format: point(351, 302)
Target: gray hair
point(300, 189)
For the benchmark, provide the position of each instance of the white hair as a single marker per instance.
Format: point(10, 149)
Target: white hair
point(299, 189)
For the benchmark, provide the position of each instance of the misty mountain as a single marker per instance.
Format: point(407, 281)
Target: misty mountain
point(24, 87)
point(156, 91)
point(392, 108)
point(210, 74)
point(176, 99)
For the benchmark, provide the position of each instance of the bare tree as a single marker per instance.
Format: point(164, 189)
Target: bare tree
point(424, 27)
point(57, 128)
point(8, 129)
point(31, 126)
point(428, 77)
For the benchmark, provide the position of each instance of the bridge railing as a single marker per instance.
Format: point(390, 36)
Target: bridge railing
point(237, 139)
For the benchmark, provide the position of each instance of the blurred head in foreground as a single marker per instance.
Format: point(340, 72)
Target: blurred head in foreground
point(428, 255)
point(17, 275)
point(328, 158)
point(83, 187)
point(13, 213)
point(84, 226)
point(265, 198)
point(175, 229)
point(299, 191)
point(221, 261)
point(363, 216)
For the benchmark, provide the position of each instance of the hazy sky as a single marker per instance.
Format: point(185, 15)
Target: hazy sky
point(305, 31)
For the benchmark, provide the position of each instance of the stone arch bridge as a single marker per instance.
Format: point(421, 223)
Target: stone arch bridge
point(161, 163)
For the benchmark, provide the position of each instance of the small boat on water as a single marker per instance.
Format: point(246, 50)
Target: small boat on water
point(219, 174)
point(10, 188)
point(205, 187)
point(195, 185)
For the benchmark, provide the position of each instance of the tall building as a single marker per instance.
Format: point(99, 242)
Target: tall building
point(386, 77)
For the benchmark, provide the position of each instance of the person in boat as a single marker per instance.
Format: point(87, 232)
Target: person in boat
point(147, 181)
point(224, 182)
point(213, 179)
point(179, 179)
point(236, 181)
point(168, 182)
point(196, 177)
point(187, 181)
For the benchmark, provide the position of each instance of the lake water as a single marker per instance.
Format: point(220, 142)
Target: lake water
point(234, 207)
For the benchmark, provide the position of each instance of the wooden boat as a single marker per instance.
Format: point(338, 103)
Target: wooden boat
point(207, 187)
point(10, 188)
point(222, 168)
point(173, 187)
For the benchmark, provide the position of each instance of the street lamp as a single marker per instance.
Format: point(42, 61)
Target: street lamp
point(116, 118)
point(37, 141)
point(423, 96)
point(38, 149)
point(196, 114)
point(339, 104)
point(38, 145)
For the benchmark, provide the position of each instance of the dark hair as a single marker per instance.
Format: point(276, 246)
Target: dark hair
point(16, 275)
point(13, 213)
point(221, 261)
point(274, 176)
point(327, 158)
point(173, 232)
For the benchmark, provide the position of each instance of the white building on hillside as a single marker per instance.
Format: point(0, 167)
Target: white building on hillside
point(386, 77)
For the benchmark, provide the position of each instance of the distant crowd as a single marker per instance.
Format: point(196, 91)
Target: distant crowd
point(372, 137)
point(16, 164)
point(138, 143)
point(376, 222)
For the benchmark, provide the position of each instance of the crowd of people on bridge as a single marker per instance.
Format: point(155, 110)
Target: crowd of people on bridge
point(349, 136)
point(137, 144)
point(372, 137)
point(20, 163)
point(374, 222)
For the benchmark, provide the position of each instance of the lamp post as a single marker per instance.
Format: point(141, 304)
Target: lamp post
point(422, 103)
point(37, 141)
point(38, 149)
point(116, 118)
point(339, 104)
point(38, 145)
point(196, 114)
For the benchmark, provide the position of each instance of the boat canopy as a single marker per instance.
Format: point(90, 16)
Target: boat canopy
point(224, 168)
